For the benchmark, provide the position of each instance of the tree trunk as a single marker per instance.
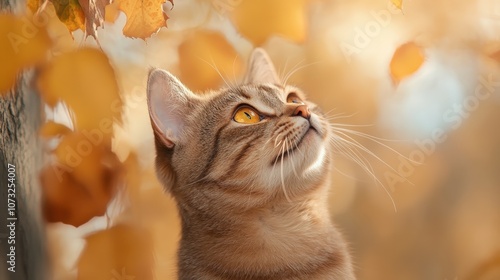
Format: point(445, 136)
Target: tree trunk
point(20, 118)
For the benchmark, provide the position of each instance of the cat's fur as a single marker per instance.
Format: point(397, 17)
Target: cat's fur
point(252, 197)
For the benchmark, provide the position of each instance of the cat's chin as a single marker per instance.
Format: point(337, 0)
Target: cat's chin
point(314, 153)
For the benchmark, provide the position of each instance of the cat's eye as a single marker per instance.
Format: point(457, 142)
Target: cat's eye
point(292, 98)
point(246, 115)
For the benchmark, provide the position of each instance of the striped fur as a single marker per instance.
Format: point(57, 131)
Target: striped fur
point(252, 204)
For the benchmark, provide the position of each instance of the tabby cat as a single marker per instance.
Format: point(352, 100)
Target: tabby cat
point(249, 169)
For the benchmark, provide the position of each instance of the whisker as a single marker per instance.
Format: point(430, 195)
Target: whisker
point(298, 69)
point(340, 116)
point(288, 153)
point(281, 72)
point(297, 65)
point(234, 61)
point(370, 171)
point(363, 148)
point(283, 176)
point(374, 139)
point(351, 125)
point(218, 72)
point(356, 157)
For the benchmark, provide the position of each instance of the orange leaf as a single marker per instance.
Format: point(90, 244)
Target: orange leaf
point(121, 252)
point(201, 54)
point(144, 17)
point(51, 129)
point(85, 80)
point(80, 183)
point(259, 19)
point(23, 44)
point(407, 59)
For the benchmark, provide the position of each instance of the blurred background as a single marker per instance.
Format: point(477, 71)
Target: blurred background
point(421, 200)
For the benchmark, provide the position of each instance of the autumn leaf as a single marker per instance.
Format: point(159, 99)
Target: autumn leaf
point(407, 59)
point(53, 129)
point(94, 11)
point(23, 44)
point(79, 184)
point(70, 13)
point(86, 82)
point(398, 4)
point(202, 55)
point(121, 252)
point(258, 20)
point(144, 17)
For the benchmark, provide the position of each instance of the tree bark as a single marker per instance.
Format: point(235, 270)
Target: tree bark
point(20, 119)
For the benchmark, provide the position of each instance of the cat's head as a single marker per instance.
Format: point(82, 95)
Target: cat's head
point(244, 145)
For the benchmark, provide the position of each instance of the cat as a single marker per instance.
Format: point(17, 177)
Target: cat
point(249, 168)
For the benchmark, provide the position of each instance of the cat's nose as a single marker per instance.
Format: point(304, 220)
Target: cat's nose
point(302, 111)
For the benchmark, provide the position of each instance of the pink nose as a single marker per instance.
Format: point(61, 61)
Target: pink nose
point(302, 111)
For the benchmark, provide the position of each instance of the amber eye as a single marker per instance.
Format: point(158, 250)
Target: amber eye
point(292, 98)
point(246, 115)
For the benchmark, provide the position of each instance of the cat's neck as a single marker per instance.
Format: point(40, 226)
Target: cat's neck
point(271, 239)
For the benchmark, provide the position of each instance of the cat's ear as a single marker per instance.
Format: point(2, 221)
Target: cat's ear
point(168, 104)
point(261, 69)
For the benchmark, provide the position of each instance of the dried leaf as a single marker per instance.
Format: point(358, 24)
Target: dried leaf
point(70, 13)
point(94, 11)
point(398, 4)
point(85, 80)
point(144, 17)
point(121, 252)
point(51, 129)
point(257, 20)
point(23, 44)
point(204, 53)
point(407, 59)
point(80, 183)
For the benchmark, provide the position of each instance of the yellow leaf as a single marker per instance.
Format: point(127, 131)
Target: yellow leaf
point(70, 13)
point(257, 20)
point(51, 129)
point(85, 80)
point(201, 54)
point(121, 252)
point(144, 17)
point(407, 59)
point(23, 44)
point(398, 4)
